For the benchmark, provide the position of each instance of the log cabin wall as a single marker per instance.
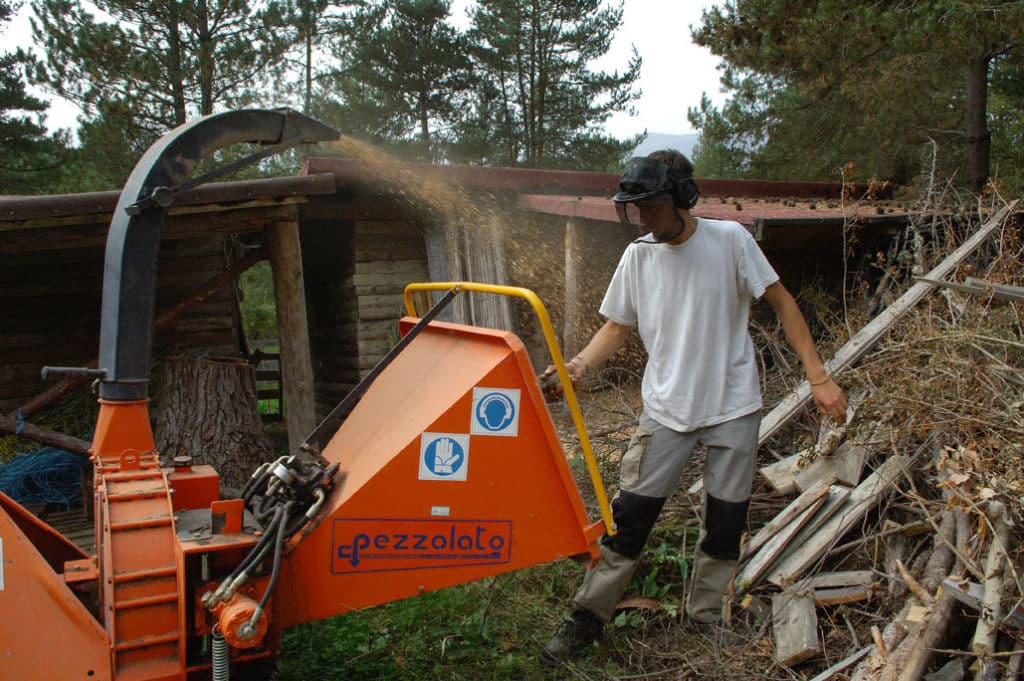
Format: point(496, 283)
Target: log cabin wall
point(356, 272)
point(388, 255)
point(50, 304)
point(328, 262)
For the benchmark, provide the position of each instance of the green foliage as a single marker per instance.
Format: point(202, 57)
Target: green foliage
point(819, 84)
point(259, 310)
point(139, 69)
point(406, 69)
point(541, 104)
point(29, 157)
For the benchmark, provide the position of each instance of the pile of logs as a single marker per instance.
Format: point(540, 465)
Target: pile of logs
point(785, 559)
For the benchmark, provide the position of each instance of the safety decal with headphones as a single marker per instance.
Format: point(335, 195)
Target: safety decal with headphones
point(495, 412)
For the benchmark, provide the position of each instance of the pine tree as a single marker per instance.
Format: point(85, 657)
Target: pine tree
point(542, 102)
point(147, 67)
point(868, 81)
point(28, 154)
point(405, 70)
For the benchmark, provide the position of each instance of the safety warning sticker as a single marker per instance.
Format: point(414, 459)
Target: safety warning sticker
point(495, 412)
point(444, 456)
point(384, 544)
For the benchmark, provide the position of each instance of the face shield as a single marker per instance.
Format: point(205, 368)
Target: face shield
point(630, 212)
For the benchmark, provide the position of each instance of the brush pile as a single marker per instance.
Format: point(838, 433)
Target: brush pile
point(887, 547)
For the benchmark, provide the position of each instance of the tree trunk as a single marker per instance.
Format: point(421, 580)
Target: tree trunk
point(207, 409)
point(976, 126)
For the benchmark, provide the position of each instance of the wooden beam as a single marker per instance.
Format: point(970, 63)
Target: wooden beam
point(980, 287)
point(292, 329)
point(843, 664)
point(44, 436)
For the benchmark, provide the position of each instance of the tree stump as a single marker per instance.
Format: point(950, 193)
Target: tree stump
point(207, 409)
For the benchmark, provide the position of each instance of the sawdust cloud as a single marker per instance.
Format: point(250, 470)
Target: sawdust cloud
point(532, 244)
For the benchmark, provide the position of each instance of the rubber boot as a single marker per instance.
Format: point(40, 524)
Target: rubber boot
point(711, 578)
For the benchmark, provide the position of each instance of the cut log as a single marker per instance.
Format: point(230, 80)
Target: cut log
point(830, 580)
point(892, 635)
point(207, 409)
point(840, 595)
point(43, 436)
point(922, 643)
point(862, 499)
point(990, 615)
point(795, 624)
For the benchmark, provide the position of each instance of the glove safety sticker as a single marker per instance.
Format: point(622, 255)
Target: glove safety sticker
point(383, 544)
point(444, 456)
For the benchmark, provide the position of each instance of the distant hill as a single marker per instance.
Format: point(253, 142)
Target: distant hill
point(663, 140)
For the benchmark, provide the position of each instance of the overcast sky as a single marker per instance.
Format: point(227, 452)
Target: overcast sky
point(674, 74)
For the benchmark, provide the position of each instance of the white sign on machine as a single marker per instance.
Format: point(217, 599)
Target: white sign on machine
point(495, 412)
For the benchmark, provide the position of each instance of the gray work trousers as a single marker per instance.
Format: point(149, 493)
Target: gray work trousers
point(649, 472)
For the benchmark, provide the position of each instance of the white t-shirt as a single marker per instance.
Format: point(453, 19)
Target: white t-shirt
point(691, 305)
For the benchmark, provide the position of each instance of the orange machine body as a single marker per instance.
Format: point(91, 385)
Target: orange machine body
point(450, 471)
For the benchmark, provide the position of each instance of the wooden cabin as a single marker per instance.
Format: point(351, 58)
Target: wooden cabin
point(345, 237)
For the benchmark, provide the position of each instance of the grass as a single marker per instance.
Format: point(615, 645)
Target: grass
point(491, 629)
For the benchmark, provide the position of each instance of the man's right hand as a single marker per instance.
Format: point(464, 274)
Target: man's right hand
point(550, 384)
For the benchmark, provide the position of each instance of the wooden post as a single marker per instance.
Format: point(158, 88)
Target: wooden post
point(573, 259)
point(292, 329)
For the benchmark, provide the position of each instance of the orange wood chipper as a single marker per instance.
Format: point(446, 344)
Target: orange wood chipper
point(445, 468)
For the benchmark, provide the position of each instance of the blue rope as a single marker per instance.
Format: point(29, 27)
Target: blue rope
point(21, 423)
point(49, 475)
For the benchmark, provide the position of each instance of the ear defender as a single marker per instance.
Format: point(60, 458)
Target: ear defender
point(684, 190)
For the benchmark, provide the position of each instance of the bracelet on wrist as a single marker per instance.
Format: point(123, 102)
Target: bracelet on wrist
point(821, 382)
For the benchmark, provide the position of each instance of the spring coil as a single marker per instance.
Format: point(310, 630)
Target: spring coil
point(221, 656)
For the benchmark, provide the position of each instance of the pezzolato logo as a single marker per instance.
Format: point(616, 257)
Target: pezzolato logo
point(377, 545)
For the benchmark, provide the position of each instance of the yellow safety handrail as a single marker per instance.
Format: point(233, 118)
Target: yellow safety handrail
point(556, 356)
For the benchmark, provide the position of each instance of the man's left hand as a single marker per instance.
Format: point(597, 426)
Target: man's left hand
point(831, 399)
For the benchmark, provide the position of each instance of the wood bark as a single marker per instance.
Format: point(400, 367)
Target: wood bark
point(293, 330)
point(207, 409)
point(43, 436)
point(979, 139)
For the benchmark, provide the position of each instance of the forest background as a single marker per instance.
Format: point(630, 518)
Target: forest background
point(887, 90)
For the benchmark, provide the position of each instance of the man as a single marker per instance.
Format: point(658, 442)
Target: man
point(687, 285)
